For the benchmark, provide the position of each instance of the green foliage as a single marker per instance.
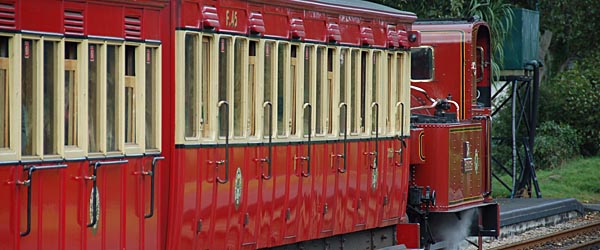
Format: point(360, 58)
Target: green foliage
point(573, 24)
point(577, 179)
point(571, 97)
point(555, 144)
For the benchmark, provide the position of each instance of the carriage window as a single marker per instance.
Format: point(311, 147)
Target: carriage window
point(363, 90)
point(93, 100)
point(281, 58)
point(112, 63)
point(343, 90)
point(308, 73)
point(268, 84)
point(375, 93)
point(253, 88)
point(205, 88)
point(318, 92)
point(71, 94)
point(421, 61)
point(223, 85)
point(294, 87)
point(28, 85)
point(401, 87)
point(4, 96)
point(354, 64)
point(50, 103)
point(238, 88)
point(391, 102)
point(152, 98)
point(130, 94)
point(191, 82)
point(329, 118)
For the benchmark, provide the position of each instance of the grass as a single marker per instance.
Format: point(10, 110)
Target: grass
point(579, 179)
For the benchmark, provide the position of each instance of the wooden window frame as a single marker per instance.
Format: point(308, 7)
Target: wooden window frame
point(244, 86)
point(286, 92)
point(156, 105)
point(209, 100)
point(264, 126)
point(119, 100)
point(12, 64)
point(138, 83)
point(79, 149)
point(404, 84)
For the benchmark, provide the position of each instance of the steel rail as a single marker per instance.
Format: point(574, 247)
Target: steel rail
point(539, 242)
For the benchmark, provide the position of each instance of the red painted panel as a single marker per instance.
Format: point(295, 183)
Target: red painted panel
point(409, 235)
point(350, 33)
point(9, 219)
point(151, 22)
point(317, 30)
point(267, 202)
point(52, 11)
point(190, 15)
point(105, 20)
point(276, 25)
point(47, 210)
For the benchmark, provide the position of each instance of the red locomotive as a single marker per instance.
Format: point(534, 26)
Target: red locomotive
point(228, 124)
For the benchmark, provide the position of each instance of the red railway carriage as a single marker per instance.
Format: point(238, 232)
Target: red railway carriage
point(80, 139)
point(229, 124)
point(450, 112)
point(289, 112)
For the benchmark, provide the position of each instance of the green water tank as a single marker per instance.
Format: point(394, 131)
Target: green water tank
point(521, 44)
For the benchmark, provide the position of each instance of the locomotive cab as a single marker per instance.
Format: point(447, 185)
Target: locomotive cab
point(451, 129)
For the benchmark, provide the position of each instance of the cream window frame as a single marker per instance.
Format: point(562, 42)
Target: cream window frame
point(244, 88)
point(404, 70)
point(13, 75)
point(258, 62)
point(101, 93)
point(156, 64)
point(286, 92)
point(300, 88)
point(380, 98)
point(295, 94)
point(322, 74)
point(209, 100)
point(38, 102)
point(357, 97)
point(390, 90)
point(264, 126)
point(331, 100)
point(79, 150)
point(139, 91)
point(119, 100)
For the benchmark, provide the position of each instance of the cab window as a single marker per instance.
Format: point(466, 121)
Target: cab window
point(421, 61)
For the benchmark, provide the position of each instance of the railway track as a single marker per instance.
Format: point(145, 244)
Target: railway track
point(583, 237)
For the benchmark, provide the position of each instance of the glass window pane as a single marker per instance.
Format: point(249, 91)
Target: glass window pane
point(191, 78)
point(253, 88)
point(111, 97)
point(390, 96)
point(281, 55)
point(151, 107)
point(130, 94)
point(49, 94)
point(205, 88)
point(399, 92)
point(421, 61)
point(224, 67)
point(238, 89)
point(93, 99)
point(363, 90)
point(4, 96)
point(343, 90)
point(268, 86)
point(375, 92)
point(318, 108)
point(308, 73)
point(353, 85)
point(293, 88)
point(71, 93)
point(28, 79)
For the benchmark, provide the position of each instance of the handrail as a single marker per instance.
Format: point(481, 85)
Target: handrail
point(309, 106)
point(152, 174)
point(376, 152)
point(270, 145)
point(27, 183)
point(95, 187)
point(345, 106)
point(401, 136)
point(226, 161)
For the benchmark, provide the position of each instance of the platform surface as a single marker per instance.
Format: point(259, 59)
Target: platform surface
point(514, 211)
